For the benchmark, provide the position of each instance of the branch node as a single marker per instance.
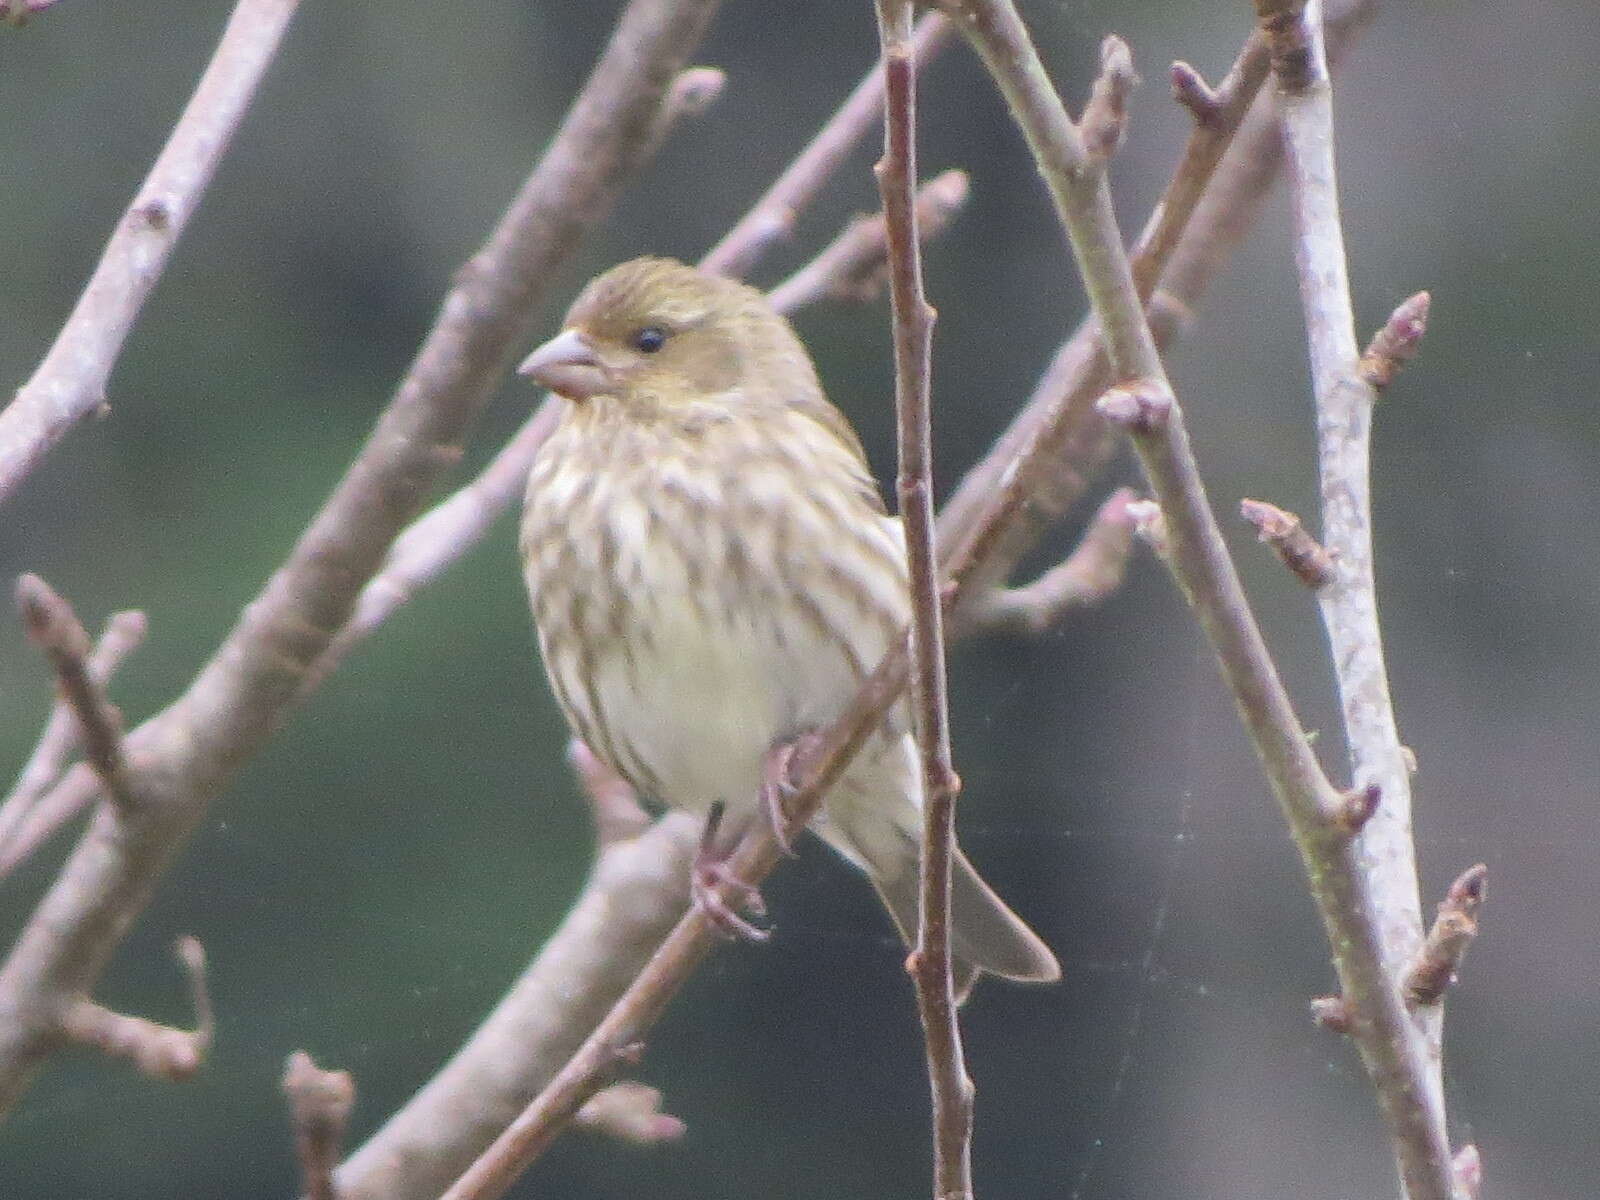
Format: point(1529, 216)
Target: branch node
point(1310, 561)
point(1356, 808)
point(1141, 406)
point(1149, 524)
point(1105, 117)
point(1190, 89)
point(1283, 24)
point(1396, 344)
point(1453, 930)
point(319, 1109)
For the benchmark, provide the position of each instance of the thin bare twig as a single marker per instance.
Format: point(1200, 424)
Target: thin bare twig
point(1290, 541)
point(1407, 1073)
point(55, 629)
point(159, 1051)
point(772, 217)
point(1092, 572)
point(930, 961)
point(70, 383)
point(319, 1110)
point(190, 751)
point(852, 266)
point(123, 634)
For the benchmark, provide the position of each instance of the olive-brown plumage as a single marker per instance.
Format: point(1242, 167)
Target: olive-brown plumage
point(712, 572)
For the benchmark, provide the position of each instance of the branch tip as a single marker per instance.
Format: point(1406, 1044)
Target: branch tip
point(1331, 1013)
point(1311, 563)
point(1149, 524)
point(630, 1112)
point(695, 90)
point(614, 805)
point(1190, 89)
point(1467, 1170)
point(319, 1110)
point(1452, 932)
point(1396, 344)
point(1105, 117)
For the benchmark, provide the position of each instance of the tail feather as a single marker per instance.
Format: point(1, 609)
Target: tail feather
point(985, 935)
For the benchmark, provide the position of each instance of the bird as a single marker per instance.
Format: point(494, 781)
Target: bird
point(713, 573)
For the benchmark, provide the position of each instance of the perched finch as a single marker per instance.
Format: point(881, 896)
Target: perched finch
point(713, 574)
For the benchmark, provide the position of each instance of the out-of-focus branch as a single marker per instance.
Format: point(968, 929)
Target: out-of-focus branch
point(930, 961)
point(1403, 1058)
point(1092, 572)
point(123, 634)
point(319, 1110)
point(851, 267)
point(159, 1051)
point(56, 630)
point(188, 753)
point(630, 1112)
point(773, 216)
point(70, 383)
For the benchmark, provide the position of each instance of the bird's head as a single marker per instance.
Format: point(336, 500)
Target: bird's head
point(655, 330)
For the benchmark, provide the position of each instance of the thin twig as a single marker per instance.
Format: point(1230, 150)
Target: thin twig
point(852, 266)
point(1093, 571)
point(930, 961)
point(70, 383)
point(191, 751)
point(1348, 603)
point(1291, 541)
point(123, 634)
point(56, 630)
point(773, 216)
point(319, 1110)
point(159, 1051)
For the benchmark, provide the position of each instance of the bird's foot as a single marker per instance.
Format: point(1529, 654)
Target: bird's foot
point(778, 787)
point(712, 882)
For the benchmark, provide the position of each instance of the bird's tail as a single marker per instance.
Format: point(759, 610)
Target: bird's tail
point(985, 935)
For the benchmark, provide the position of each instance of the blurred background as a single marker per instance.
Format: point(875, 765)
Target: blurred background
point(377, 877)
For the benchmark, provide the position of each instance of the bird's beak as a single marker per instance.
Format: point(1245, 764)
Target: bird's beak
point(568, 365)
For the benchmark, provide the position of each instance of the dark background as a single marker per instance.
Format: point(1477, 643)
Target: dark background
point(375, 879)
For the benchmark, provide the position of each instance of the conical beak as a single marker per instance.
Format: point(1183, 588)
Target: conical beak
point(568, 365)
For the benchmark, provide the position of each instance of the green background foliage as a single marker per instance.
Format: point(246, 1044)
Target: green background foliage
point(376, 878)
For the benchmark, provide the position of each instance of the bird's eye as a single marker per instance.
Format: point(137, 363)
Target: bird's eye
point(650, 339)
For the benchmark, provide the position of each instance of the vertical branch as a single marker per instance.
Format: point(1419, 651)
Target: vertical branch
point(929, 964)
point(71, 382)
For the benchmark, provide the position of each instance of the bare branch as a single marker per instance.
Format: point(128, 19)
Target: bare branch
point(1092, 572)
point(159, 1051)
point(1467, 1170)
point(319, 1109)
point(1409, 1077)
point(123, 634)
point(55, 629)
point(852, 266)
point(773, 216)
point(191, 750)
point(930, 963)
point(71, 382)
point(1290, 541)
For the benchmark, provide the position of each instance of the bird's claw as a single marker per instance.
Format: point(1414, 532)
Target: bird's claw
point(711, 881)
point(777, 788)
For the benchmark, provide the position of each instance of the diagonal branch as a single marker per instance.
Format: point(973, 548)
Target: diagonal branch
point(189, 752)
point(70, 383)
